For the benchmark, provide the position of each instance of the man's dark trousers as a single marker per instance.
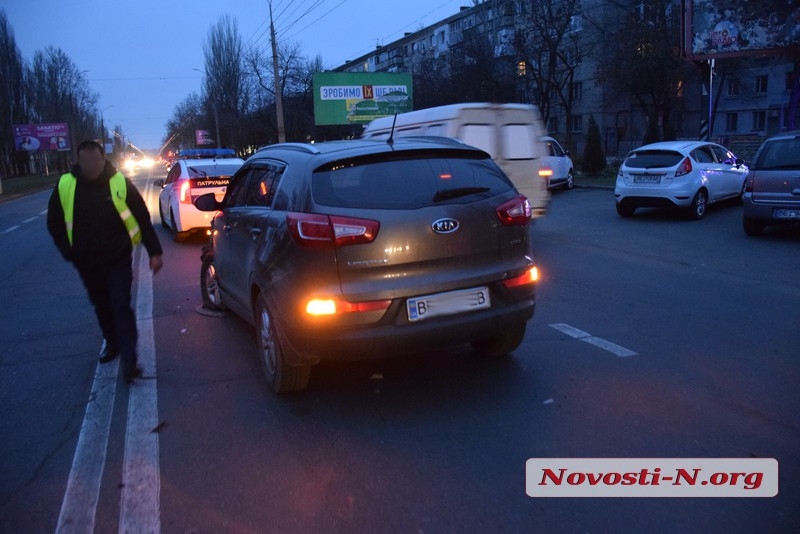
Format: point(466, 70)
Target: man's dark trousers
point(109, 289)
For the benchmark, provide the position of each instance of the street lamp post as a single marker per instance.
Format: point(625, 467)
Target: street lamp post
point(103, 127)
point(212, 96)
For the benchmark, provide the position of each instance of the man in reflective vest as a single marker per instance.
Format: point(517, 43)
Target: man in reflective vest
point(95, 217)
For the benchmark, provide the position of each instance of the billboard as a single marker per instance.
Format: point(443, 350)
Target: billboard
point(203, 138)
point(34, 137)
point(360, 97)
point(719, 28)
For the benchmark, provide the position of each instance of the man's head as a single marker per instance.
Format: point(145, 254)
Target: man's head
point(91, 159)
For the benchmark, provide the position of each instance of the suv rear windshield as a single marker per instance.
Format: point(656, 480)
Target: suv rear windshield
point(408, 180)
point(780, 154)
point(647, 159)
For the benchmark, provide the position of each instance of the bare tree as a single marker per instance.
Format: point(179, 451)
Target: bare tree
point(550, 51)
point(11, 94)
point(185, 119)
point(224, 85)
point(643, 60)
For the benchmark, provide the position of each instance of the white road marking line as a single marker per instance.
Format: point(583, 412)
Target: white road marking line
point(613, 348)
point(29, 220)
point(83, 486)
point(11, 229)
point(141, 490)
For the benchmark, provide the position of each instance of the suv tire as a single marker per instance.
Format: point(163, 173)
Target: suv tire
point(503, 344)
point(281, 376)
point(752, 227)
point(209, 285)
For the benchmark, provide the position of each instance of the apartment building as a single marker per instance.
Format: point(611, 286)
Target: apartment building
point(753, 101)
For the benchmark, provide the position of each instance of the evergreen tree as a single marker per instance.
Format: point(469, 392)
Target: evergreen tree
point(594, 158)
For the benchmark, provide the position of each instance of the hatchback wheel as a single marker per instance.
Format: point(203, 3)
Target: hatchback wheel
point(502, 344)
point(698, 206)
point(752, 227)
point(625, 211)
point(281, 376)
point(209, 285)
point(570, 180)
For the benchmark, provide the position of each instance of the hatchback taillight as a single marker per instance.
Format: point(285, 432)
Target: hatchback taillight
point(515, 212)
point(328, 231)
point(684, 168)
point(185, 192)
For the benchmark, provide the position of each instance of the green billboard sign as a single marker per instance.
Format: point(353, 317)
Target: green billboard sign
point(360, 97)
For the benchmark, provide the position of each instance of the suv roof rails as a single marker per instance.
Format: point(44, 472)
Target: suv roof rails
point(302, 147)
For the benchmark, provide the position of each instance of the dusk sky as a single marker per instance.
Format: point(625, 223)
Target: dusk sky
point(140, 54)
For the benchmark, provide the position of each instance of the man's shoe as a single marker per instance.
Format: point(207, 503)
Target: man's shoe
point(107, 352)
point(131, 374)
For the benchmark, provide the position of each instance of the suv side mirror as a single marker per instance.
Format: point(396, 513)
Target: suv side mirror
point(207, 202)
point(159, 183)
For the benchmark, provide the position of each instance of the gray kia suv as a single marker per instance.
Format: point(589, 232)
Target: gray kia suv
point(366, 249)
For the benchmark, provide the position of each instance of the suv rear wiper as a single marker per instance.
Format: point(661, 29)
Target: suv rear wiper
point(458, 192)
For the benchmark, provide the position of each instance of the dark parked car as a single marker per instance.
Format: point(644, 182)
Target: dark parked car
point(367, 248)
point(772, 191)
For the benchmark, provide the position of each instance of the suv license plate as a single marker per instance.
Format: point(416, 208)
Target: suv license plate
point(646, 179)
point(449, 303)
point(786, 214)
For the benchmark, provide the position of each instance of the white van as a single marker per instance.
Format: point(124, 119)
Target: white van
point(510, 133)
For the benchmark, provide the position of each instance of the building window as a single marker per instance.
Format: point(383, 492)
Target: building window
point(576, 123)
point(733, 87)
point(789, 81)
point(521, 68)
point(761, 84)
point(731, 120)
point(759, 120)
point(552, 125)
point(576, 90)
point(575, 24)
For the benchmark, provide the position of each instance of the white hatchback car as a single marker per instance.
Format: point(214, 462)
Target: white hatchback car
point(687, 174)
point(188, 179)
point(556, 165)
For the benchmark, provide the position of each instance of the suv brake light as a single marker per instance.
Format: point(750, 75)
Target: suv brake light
point(330, 231)
point(515, 212)
point(685, 167)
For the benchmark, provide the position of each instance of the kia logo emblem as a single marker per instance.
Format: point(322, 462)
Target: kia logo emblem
point(445, 226)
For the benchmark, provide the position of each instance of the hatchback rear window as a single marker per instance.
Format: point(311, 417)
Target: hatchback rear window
point(780, 154)
point(408, 181)
point(647, 159)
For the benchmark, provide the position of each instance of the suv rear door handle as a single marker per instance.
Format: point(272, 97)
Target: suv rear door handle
point(255, 232)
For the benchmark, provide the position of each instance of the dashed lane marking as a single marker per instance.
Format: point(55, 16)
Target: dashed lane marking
point(575, 333)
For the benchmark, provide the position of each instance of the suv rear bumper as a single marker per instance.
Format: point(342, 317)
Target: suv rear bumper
point(395, 335)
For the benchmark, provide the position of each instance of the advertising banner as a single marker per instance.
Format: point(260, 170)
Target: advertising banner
point(203, 138)
point(358, 98)
point(33, 137)
point(742, 28)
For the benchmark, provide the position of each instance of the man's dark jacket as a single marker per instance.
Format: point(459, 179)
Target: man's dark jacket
point(99, 237)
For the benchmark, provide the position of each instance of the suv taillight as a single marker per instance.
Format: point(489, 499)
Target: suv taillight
point(515, 212)
point(685, 167)
point(330, 231)
point(185, 192)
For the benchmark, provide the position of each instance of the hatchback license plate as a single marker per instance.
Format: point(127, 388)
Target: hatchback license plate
point(646, 179)
point(449, 303)
point(786, 214)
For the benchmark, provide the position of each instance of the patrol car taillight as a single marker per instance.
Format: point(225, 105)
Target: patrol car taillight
point(186, 192)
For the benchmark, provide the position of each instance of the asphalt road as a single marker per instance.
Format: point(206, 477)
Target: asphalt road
point(691, 351)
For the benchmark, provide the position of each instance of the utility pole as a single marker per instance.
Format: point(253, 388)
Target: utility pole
point(276, 77)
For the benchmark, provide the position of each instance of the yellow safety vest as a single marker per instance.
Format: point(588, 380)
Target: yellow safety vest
point(119, 192)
